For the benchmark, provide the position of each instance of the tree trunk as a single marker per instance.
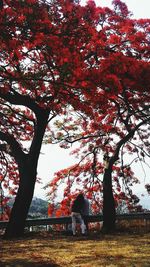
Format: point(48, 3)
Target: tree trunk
point(109, 213)
point(27, 165)
point(16, 224)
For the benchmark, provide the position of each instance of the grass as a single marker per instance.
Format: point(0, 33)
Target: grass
point(96, 250)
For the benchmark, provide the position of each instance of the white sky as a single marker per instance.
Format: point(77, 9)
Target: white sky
point(139, 8)
point(53, 158)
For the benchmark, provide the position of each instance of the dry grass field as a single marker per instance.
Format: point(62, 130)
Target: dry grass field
point(95, 250)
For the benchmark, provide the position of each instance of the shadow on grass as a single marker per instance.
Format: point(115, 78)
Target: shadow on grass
point(25, 263)
point(57, 250)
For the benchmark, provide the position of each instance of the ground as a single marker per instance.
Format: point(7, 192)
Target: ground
point(58, 250)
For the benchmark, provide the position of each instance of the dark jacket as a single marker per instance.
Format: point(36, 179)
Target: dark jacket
point(78, 204)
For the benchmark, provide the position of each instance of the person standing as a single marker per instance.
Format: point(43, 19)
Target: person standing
point(76, 211)
point(85, 212)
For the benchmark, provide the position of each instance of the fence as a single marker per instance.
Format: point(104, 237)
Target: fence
point(145, 217)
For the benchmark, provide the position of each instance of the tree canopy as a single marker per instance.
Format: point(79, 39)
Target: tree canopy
point(119, 123)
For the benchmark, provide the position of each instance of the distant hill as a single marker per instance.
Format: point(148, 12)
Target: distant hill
point(38, 208)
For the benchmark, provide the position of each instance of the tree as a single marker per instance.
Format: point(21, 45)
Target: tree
point(119, 120)
point(46, 69)
point(43, 64)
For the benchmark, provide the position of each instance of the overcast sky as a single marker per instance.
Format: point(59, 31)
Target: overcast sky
point(53, 158)
point(140, 8)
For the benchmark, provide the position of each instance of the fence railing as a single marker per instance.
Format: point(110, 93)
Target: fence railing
point(67, 220)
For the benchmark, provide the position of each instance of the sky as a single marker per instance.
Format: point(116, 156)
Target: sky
point(53, 158)
point(139, 8)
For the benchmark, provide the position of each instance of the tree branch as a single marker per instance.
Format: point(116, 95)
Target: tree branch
point(18, 99)
point(12, 147)
point(125, 139)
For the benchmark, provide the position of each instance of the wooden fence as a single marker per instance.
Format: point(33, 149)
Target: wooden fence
point(145, 217)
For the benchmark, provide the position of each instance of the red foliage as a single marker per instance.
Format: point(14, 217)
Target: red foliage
point(58, 55)
point(116, 86)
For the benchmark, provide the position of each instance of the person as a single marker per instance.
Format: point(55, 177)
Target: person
point(76, 210)
point(85, 212)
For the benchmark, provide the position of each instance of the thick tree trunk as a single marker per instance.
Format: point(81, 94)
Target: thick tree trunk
point(109, 214)
point(16, 224)
point(27, 165)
